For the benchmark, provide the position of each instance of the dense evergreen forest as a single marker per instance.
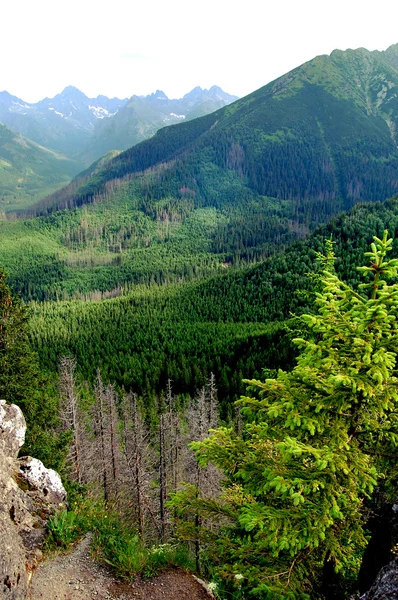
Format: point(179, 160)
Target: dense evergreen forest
point(233, 324)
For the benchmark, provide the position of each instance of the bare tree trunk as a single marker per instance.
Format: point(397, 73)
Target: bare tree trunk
point(70, 412)
point(139, 460)
point(162, 478)
point(100, 410)
point(202, 416)
point(111, 400)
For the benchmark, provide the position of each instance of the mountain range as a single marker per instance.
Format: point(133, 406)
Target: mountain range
point(142, 116)
point(78, 131)
point(85, 128)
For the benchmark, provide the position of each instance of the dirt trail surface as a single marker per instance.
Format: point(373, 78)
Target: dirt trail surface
point(77, 577)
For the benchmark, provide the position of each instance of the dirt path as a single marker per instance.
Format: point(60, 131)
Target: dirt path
point(77, 577)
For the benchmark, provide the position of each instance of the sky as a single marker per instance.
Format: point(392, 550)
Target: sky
point(120, 48)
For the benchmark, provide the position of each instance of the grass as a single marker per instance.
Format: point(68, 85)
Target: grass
point(114, 542)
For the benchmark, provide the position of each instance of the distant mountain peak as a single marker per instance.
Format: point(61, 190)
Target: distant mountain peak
point(102, 98)
point(392, 48)
point(72, 92)
point(194, 93)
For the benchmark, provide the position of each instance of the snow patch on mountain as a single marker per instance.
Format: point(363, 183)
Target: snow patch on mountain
point(18, 107)
point(56, 112)
point(100, 112)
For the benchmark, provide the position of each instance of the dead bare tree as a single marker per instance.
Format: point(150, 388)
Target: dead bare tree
point(111, 400)
point(171, 443)
point(203, 415)
point(139, 468)
point(101, 432)
point(71, 416)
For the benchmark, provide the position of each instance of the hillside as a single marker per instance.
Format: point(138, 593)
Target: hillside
point(162, 277)
point(28, 172)
point(219, 191)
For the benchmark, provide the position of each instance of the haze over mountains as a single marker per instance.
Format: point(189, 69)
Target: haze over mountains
point(70, 121)
point(142, 116)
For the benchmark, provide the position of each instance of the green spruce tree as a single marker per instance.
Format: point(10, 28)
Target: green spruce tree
point(316, 442)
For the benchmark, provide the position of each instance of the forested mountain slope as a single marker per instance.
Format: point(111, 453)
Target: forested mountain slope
point(317, 140)
point(225, 189)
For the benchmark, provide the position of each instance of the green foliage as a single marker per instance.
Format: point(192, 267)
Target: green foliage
point(220, 324)
point(166, 556)
point(17, 367)
point(142, 340)
point(64, 529)
point(119, 546)
point(107, 247)
point(316, 443)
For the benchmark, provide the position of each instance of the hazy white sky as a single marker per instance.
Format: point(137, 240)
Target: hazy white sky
point(125, 47)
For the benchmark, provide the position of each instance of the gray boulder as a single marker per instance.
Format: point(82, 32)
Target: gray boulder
point(29, 495)
point(385, 586)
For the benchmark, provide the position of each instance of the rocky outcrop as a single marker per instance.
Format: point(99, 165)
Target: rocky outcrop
point(385, 586)
point(29, 495)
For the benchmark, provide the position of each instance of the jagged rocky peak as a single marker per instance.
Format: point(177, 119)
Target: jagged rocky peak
point(29, 495)
point(158, 95)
